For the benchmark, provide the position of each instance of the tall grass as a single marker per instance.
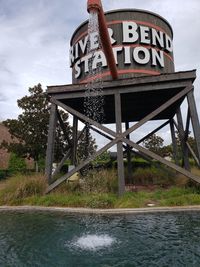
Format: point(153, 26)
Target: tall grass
point(18, 187)
point(97, 190)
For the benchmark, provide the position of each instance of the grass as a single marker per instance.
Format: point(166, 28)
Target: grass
point(98, 191)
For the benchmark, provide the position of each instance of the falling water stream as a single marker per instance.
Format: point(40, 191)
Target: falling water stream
point(94, 101)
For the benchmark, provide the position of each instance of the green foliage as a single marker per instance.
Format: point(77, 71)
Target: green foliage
point(41, 164)
point(4, 174)
point(16, 164)
point(103, 181)
point(136, 163)
point(31, 127)
point(73, 200)
point(132, 200)
point(86, 146)
point(101, 201)
point(102, 160)
point(153, 175)
point(30, 130)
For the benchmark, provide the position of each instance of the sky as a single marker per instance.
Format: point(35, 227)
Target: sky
point(35, 37)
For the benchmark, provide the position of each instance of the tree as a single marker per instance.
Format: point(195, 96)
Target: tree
point(31, 128)
point(154, 143)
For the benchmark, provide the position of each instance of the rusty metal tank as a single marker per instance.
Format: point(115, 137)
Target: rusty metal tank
point(141, 42)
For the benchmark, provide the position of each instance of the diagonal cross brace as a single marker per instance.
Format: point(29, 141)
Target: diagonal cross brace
point(81, 165)
point(118, 137)
point(162, 160)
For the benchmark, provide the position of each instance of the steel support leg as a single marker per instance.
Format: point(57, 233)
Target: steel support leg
point(51, 142)
point(120, 162)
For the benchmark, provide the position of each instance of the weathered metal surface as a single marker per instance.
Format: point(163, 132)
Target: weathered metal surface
point(195, 120)
point(151, 34)
point(50, 142)
point(183, 140)
point(75, 140)
point(148, 92)
point(120, 162)
point(174, 142)
point(132, 82)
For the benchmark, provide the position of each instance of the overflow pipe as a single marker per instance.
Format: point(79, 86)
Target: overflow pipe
point(96, 6)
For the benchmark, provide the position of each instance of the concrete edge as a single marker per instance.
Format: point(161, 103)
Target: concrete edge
point(101, 211)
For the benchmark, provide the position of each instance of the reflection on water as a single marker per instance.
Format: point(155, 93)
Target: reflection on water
point(57, 239)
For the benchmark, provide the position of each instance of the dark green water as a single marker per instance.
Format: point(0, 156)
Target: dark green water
point(58, 239)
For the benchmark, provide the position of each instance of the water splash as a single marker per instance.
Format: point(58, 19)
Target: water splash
point(94, 242)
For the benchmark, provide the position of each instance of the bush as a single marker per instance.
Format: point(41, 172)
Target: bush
point(136, 163)
point(103, 181)
point(154, 175)
point(4, 174)
point(16, 164)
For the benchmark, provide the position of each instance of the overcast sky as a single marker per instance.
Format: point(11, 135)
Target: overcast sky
point(35, 36)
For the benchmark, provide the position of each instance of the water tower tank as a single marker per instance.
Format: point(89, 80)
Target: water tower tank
point(141, 41)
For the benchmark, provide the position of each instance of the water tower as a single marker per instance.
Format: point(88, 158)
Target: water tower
point(139, 85)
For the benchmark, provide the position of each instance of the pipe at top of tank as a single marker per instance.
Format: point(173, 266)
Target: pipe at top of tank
point(96, 6)
point(93, 5)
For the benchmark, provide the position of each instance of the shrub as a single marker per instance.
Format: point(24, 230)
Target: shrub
point(153, 175)
point(4, 174)
point(16, 164)
point(103, 181)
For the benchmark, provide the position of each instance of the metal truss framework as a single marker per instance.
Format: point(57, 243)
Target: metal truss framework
point(169, 90)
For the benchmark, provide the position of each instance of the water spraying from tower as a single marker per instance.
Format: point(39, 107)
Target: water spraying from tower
point(93, 103)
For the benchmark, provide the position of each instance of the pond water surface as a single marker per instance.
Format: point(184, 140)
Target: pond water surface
point(59, 239)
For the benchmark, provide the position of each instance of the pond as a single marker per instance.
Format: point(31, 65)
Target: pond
point(59, 239)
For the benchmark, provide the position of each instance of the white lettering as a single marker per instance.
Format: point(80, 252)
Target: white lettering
point(168, 43)
point(141, 55)
point(94, 40)
point(77, 69)
point(130, 34)
point(157, 37)
point(144, 35)
point(76, 51)
point(71, 55)
point(99, 59)
point(83, 44)
point(157, 56)
point(127, 55)
point(157, 44)
point(115, 52)
point(85, 60)
point(110, 31)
